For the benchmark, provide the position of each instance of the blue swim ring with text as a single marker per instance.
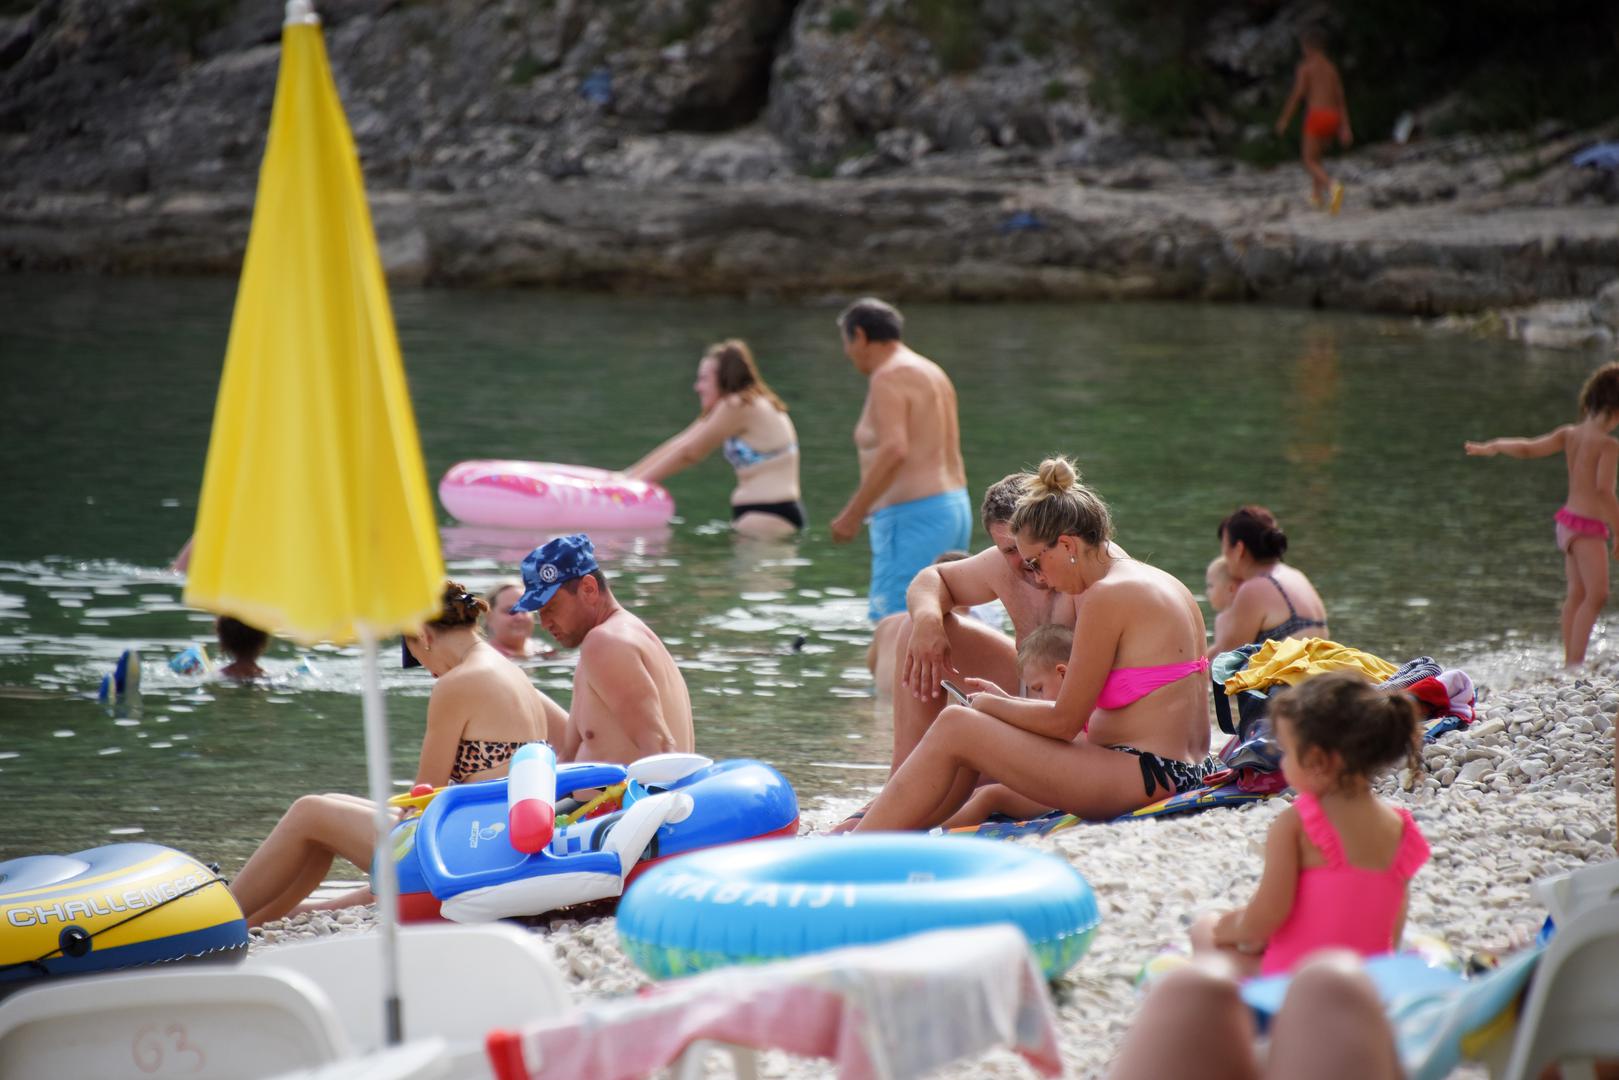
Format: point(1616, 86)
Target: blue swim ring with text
point(767, 900)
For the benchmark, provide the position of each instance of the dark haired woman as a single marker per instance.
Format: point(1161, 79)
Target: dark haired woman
point(1274, 601)
point(748, 423)
point(481, 710)
point(1130, 725)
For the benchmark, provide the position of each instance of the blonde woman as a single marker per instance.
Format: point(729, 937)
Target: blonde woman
point(1130, 725)
point(743, 419)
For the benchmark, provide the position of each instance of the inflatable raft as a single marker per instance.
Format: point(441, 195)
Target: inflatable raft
point(457, 860)
point(545, 495)
point(761, 902)
point(111, 907)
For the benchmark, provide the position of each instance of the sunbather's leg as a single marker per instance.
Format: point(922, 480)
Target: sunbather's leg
point(298, 854)
point(1193, 1023)
point(994, 799)
point(1083, 779)
point(1331, 1025)
point(975, 650)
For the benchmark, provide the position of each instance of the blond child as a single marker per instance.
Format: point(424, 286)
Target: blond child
point(1042, 661)
point(1317, 85)
point(1221, 588)
point(1588, 522)
point(1339, 861)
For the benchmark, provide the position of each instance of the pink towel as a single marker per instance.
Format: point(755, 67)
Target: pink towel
point(899, 1010)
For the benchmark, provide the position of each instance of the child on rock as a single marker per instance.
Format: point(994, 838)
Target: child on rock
point(1339, 861)
point(1588, 522)
point(1317, 85)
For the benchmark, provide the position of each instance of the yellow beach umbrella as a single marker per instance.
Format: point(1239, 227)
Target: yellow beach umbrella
point(315, 520)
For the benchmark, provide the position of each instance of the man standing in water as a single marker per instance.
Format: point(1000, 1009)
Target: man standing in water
point(913, 484)
point(629, 698)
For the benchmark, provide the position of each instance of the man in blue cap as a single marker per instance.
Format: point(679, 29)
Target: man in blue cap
point(629, 698)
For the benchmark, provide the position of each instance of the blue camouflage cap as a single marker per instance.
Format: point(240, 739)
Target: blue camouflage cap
point(551, 566)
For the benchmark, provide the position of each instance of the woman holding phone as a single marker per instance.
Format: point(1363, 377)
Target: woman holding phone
point(1130, 724)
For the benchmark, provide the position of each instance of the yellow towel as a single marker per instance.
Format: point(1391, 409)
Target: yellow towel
point(1293, 660)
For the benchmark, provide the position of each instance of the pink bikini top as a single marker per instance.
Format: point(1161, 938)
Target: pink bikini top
point(1339, 905)
point(1128, 685)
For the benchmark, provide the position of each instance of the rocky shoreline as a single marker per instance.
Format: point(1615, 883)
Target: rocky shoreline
point(1526, 792)
point(776, 149)
point(1156, 229)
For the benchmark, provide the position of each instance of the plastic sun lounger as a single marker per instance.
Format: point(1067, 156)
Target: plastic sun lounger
point(193, 1022)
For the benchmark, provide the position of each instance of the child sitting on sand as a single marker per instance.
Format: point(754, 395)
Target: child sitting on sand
point(242, 645)
point(1042, 662)
point(1588, 522)
point(1326, 114)
point(1221, 588)
point(1339, 861)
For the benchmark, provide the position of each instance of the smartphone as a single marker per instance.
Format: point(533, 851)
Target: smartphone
point(957, 694)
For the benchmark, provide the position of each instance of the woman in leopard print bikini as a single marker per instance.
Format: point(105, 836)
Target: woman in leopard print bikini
point(481, 710)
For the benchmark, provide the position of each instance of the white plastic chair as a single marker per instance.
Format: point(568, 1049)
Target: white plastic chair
point(423, 1059)
point(1568, 895)
point(1572, 1012)
point(456, 982)
point(194, 1021)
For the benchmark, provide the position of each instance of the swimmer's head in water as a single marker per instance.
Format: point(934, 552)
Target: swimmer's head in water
point(551, 566)
point(240, 641)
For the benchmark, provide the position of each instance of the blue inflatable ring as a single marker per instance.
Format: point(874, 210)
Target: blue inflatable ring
point(763, 901)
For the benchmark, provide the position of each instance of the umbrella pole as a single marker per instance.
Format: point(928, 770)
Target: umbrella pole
point(383, 869)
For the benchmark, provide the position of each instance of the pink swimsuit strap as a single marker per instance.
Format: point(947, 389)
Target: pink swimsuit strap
point(1127, 685)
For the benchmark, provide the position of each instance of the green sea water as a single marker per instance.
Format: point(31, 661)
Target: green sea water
point(1348, 427)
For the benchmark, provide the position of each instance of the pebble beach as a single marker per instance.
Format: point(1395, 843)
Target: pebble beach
point(1527, 791)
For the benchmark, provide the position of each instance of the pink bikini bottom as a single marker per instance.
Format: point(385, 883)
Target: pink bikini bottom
point(1571, 526)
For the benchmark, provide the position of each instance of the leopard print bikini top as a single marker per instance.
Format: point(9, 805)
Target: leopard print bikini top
point(474, 756)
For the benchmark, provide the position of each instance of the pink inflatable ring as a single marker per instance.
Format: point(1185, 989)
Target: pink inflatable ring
point(545, 495)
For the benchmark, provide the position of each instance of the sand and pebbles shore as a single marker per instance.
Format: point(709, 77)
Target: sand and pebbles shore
point(1528, 791)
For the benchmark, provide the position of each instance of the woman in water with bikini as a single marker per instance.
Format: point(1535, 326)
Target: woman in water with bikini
point(747, 422)
point(1274, 601)
point(1130, 725)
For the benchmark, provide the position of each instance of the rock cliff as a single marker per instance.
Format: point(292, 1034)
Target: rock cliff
point(945, 148)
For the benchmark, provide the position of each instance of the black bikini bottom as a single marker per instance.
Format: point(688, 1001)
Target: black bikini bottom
point(790, 512)
point(1174, 776)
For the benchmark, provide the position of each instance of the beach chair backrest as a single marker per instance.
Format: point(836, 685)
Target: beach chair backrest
point(192, 1022)
point(1572, 1013)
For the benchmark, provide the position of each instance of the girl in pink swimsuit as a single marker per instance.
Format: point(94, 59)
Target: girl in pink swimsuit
point(1587, 521)
point(1339, 861)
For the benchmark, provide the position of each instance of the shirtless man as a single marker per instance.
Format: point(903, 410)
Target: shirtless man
point(938, 645)
point(912, 478)
point(1326, 115)
point(629, 699)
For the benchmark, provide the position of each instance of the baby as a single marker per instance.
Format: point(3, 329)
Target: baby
point(1042, 662)
point(1221, 588)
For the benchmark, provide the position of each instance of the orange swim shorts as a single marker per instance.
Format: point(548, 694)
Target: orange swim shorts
point(1322, 123)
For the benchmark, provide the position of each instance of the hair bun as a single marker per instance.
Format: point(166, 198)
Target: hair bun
point(1055, 476)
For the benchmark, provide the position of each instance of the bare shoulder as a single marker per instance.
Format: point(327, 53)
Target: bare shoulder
point(1287, 824)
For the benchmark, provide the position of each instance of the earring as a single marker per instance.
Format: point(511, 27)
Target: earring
point(1070, 559)
point(425, 646)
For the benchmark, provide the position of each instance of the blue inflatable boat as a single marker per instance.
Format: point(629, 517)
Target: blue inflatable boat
point(456, 860)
